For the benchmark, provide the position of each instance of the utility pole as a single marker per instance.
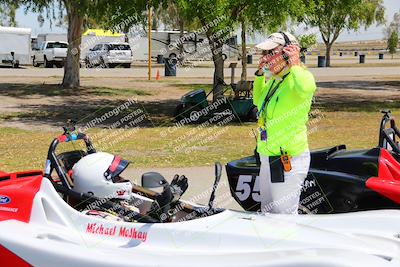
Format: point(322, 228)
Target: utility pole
point(149, 36)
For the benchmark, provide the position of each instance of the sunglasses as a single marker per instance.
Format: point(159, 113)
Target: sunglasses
point(271, 52)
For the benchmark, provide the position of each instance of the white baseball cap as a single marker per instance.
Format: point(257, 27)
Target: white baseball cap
point(276, 39)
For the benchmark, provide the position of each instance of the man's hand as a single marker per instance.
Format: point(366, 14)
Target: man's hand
point(293, 53)
point(262, 62)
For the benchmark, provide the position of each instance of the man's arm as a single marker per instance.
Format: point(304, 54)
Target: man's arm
point(304, 81)
point(259, 86)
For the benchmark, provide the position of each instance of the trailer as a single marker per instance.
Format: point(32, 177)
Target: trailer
point(167, 44)
point(15, 46)
point(51, 37)
point(38, 41)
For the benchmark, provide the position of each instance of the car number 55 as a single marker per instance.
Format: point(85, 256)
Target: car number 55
point(243, 188)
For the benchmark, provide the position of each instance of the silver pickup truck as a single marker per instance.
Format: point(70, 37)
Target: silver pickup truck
point(49, 54)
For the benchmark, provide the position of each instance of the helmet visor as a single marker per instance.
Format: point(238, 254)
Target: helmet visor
point(116, 167)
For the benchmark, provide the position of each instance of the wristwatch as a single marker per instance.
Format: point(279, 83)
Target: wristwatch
point(257, 74)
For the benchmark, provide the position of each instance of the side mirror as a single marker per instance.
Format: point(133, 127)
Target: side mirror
point(153, 180)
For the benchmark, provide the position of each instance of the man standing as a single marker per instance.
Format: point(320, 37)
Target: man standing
point(283, 104)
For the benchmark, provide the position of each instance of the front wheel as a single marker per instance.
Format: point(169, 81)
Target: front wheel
point(34, 63)
point(188, 111)
point(47, 64)
point(88, 64)
point(103, 64)
point(252, 115)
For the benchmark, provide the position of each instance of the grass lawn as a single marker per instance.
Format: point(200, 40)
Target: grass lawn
point(187, 146)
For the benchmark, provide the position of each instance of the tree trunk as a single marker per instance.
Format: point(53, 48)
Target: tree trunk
point(218, 69)
point(328, 54)
point(181, 34)
point(75, 26)
point(244, 51)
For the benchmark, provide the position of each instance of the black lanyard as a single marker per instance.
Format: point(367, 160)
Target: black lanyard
point(270, 95)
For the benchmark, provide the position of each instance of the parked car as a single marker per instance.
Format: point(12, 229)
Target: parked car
point(50, 53)
point(109, 55)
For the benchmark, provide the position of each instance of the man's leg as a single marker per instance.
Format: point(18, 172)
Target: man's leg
point(286, 196)
point(265, 185)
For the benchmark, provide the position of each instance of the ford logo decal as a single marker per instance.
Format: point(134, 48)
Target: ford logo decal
point(4, 200)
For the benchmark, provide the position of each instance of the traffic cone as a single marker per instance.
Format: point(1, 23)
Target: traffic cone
point(158, 75)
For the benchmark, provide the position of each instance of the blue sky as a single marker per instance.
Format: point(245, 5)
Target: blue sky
point(374, 32)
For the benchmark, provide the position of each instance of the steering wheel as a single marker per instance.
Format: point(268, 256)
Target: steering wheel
point(165, 203)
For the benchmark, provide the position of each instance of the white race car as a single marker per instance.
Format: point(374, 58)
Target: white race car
point(41, 225)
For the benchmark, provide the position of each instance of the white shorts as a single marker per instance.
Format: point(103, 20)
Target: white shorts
point(283, 197)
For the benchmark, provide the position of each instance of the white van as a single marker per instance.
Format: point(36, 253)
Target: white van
point(109, 55)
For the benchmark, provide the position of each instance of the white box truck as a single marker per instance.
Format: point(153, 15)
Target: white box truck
point(55, 37)
point(15, 46)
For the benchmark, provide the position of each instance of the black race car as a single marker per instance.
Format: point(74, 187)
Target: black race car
point(338, 180)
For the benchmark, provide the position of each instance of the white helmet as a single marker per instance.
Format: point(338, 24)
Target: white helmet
point(98, 174)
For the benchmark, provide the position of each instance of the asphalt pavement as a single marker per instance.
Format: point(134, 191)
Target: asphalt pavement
point(199, 72)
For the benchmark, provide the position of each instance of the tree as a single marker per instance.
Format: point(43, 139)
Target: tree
point(219, 20)
point(253, 19)
point(77, 13)
point(394, 26)
point(392, 32)
point(243, 77)
point(307, 40)
point(169, 14)
point(334, 16)
point(393, 42)
point(7, 14)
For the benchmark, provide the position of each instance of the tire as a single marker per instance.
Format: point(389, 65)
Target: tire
point(34, 63)
point(47, 64)
point(181, 112)
point(252, 115)
point(127, 65)
point(88, 65)
point(103, 64)
point(59, 65)
point(178, 112)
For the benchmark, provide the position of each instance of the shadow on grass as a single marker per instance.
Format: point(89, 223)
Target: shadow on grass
point(357, 106)
point(362, 85)
point(27, 90)
point(85, 112)
point(159, 113)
